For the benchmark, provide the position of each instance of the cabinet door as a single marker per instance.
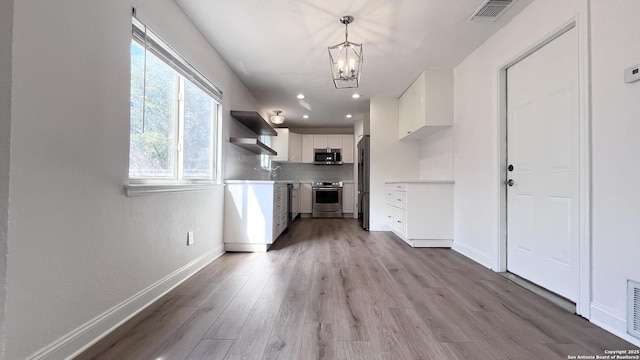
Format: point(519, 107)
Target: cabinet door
point(411, 108)
point(295, 202)
point(320, 141)
point(306, 197)
point(295, 148)
point(334, 141)
point(348, 198)
point(281, 144)
point(307, 148)
point(347, 149)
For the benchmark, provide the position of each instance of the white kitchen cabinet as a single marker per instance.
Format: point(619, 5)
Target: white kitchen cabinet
point(307, 148)
point(348, 198)
point(324, 141)
point(426, 104)
point(334, 141)
point(310, 142)
point(320, 141)
point(288, 145)
point(255, 215)
point(306, 198)
point(347, 149)
point(295, 201)
point(421, 213)
point(295, 148)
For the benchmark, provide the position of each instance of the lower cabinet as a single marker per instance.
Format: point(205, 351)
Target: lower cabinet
point(348, 198)
point(295, 201)
point(420, 213)
point(255, 215)
point(306, 198)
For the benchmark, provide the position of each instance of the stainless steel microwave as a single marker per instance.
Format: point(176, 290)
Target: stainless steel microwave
point(327, 157)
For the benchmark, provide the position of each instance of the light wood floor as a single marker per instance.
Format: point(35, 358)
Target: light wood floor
point(328, 290)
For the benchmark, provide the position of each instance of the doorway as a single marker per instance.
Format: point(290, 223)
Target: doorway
point(543, 165)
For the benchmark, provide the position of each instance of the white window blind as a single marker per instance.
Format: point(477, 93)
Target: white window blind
point(154, 43)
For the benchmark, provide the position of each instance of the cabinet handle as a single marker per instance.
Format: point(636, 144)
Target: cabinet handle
point(408, 132)
point(399, 222)
point(399, 199)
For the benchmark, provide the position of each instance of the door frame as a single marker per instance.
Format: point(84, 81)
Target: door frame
point(584, 153)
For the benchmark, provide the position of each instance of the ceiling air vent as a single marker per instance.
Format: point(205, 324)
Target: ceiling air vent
point(633, 314)
point(490, 11)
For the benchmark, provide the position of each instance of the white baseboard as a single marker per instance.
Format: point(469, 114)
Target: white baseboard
point(243, 247)
point(476, 255)
point(424, 243)
point(91, 332)
point(611, 321)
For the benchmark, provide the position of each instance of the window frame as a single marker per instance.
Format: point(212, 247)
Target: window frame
point(150, 41)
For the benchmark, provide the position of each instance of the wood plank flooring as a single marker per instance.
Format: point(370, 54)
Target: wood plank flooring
point(329, 290)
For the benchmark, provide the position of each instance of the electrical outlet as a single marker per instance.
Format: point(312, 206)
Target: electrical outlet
point(190, 238)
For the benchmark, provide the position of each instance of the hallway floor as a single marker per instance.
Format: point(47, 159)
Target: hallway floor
point(329, 290)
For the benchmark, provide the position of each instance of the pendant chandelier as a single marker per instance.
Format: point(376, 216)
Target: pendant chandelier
point(277, 118)
point(346, 60)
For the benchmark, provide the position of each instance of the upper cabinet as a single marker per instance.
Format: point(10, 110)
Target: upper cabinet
point(288, 145)
point(427, 103)
point(307, 148)
point(300, 148)
point(335, 142)
point(347, 149)
point(330, 141)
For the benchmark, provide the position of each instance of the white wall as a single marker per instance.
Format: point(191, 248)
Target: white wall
point(6, 27)
point(476, 124)
point(616, 159)
point(436, 155)
point(79, 247)
point(391, 160)
point(615, 149)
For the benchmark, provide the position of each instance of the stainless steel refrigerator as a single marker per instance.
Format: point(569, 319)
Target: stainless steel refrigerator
point(363, 181)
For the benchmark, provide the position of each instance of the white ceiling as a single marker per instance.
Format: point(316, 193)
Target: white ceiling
point(278, 48)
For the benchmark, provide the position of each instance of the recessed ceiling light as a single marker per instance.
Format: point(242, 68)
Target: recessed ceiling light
point(300, 96)
point(305, 116)
point(349, 116)
point(355, 96)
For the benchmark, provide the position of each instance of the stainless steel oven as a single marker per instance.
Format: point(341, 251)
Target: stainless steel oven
point(327, 199)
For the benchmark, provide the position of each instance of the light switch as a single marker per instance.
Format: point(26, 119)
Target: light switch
point(632, 74)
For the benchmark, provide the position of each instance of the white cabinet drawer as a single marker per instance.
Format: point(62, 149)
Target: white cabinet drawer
point(396, 219)
point(401, 222)
point(398, 186)
point(399, 199)
point(388, 193)
point(390, 214)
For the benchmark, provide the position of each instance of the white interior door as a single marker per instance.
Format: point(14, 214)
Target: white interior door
point(543, 148)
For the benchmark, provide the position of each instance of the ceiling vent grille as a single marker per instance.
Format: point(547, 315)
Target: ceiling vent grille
point(490, 11)
point(633, 314)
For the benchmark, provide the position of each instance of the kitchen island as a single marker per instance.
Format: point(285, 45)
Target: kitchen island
point(256, 214)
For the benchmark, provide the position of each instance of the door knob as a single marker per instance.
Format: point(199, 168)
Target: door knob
point(510, 182)
point(510, 167)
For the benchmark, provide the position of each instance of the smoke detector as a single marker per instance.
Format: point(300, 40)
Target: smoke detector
point(490, 11)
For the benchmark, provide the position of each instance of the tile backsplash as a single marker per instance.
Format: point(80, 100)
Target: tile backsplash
point(241, 164)
point(306, 172)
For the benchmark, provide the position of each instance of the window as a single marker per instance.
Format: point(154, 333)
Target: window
point(174, 114)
